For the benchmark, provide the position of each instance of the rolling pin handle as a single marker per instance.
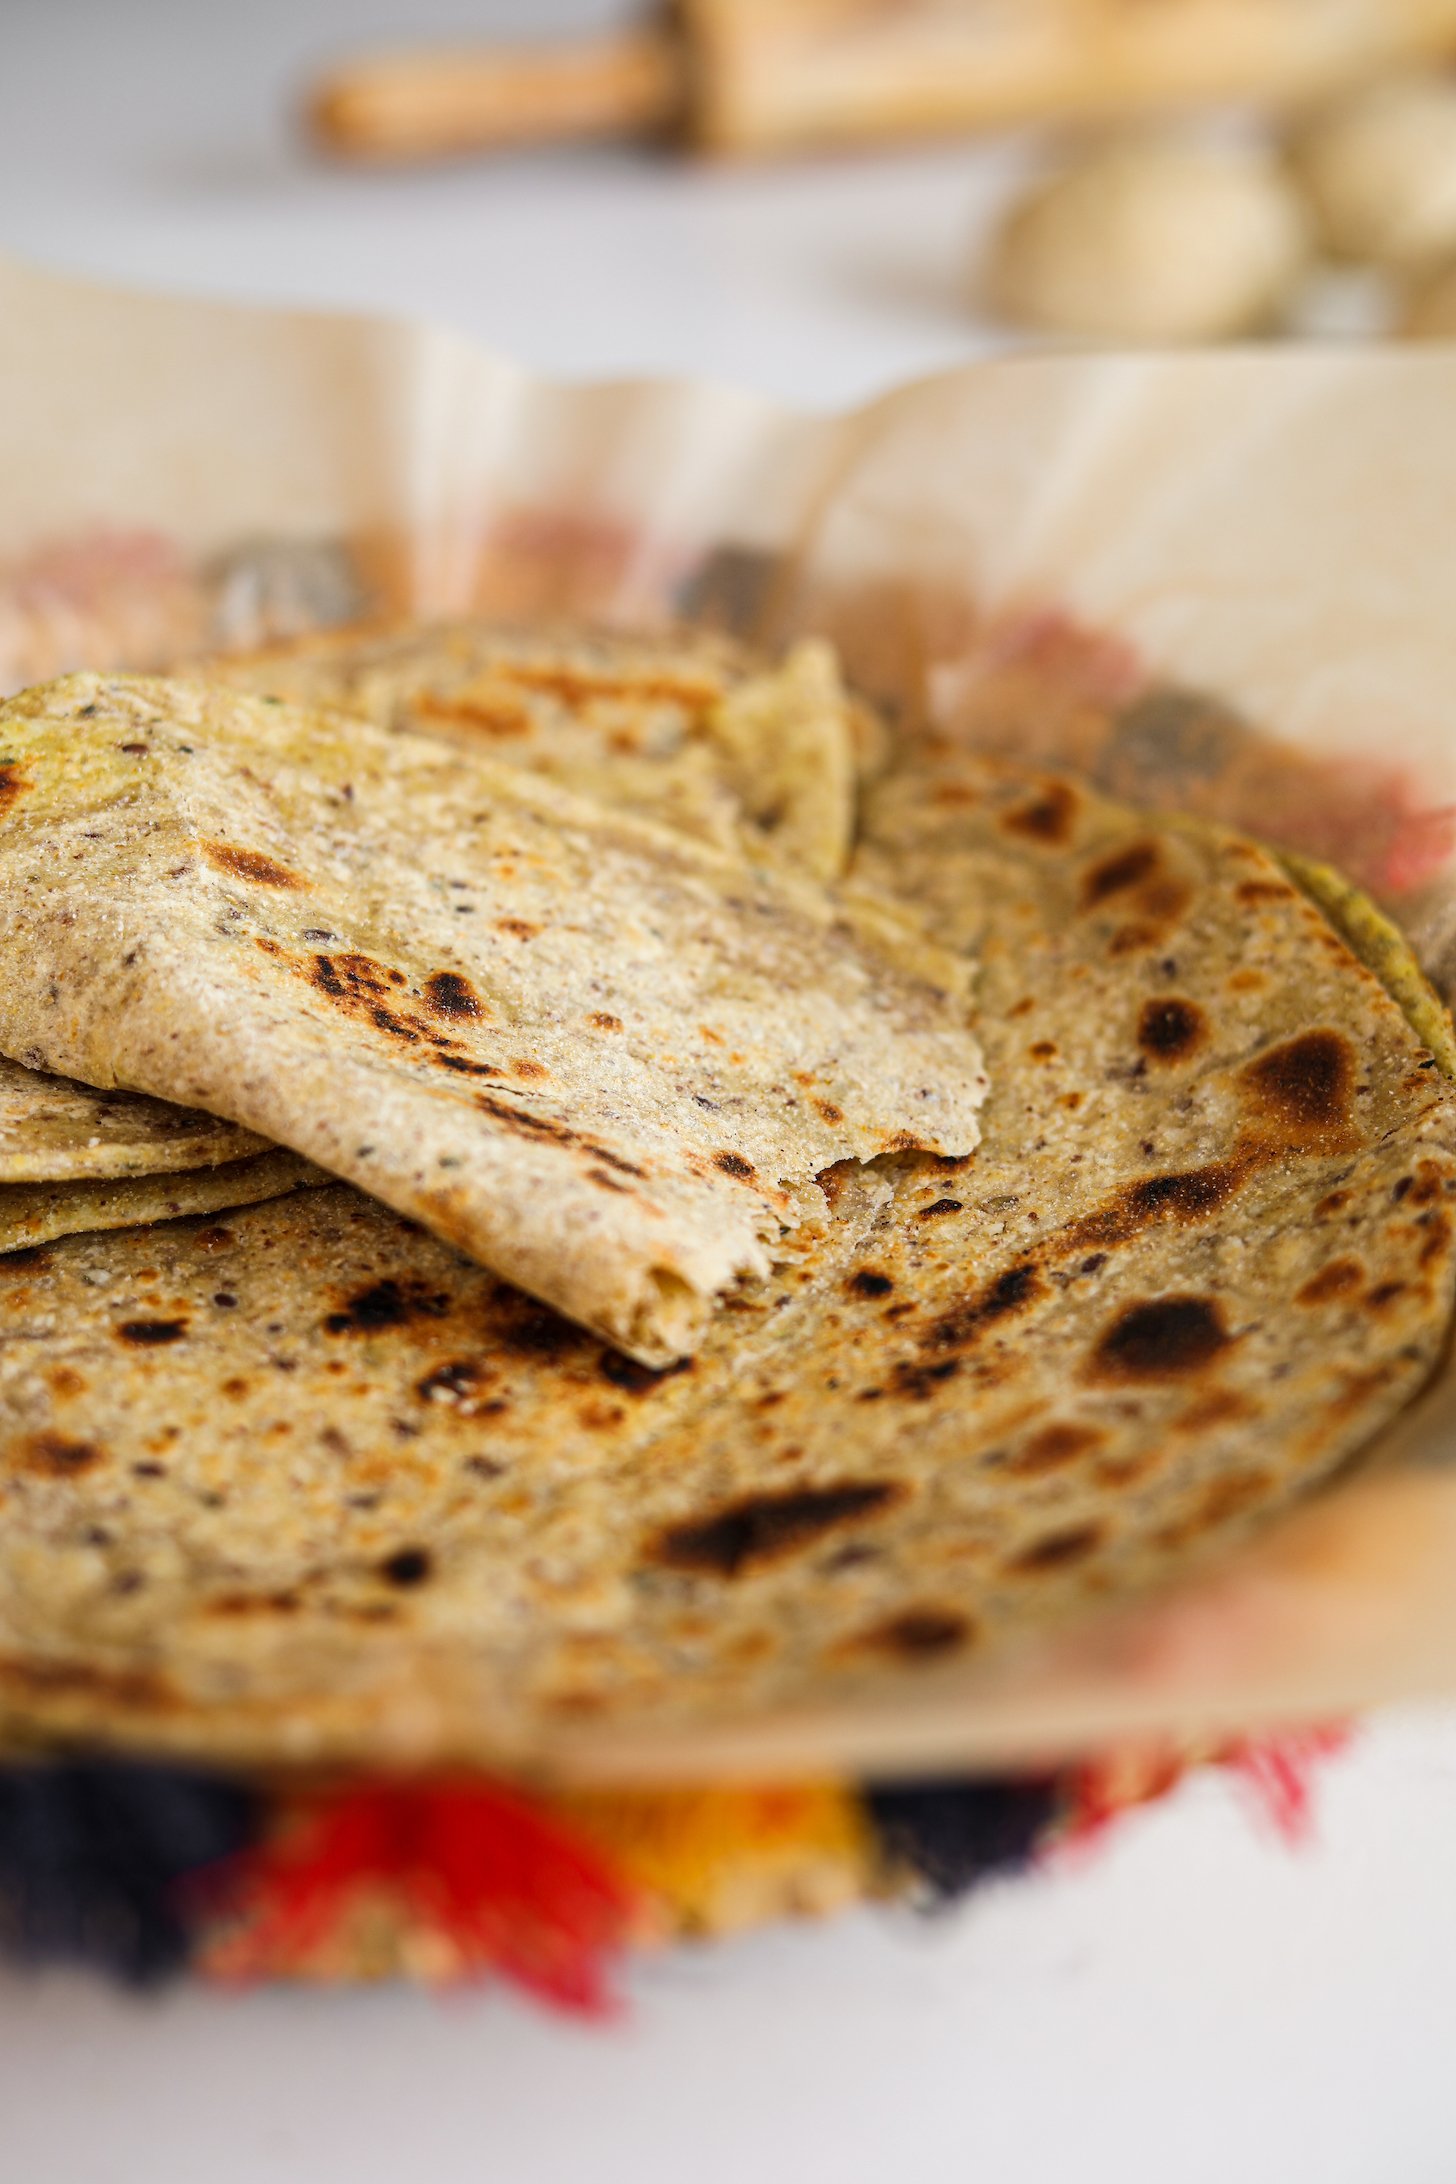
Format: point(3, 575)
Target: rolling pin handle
point(402, 108)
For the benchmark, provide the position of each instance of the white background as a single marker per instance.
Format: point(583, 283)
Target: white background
point(1195, 2003)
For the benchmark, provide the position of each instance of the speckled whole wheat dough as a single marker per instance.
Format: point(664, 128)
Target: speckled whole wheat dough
point(386, 1508)
point(686, 727)
point(606, 1061)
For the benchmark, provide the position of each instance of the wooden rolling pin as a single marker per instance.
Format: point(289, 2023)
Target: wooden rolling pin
point(765, 76)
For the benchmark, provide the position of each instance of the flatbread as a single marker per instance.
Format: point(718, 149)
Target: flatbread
point(688, 728)
point(52, 1130)
point(386, 1509)
point(606, 1061)
point(37, 1213)
point(1382, 948)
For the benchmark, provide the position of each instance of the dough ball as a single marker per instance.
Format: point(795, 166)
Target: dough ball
point(1152, 238)
point(1379, 172)
point(1429, 312)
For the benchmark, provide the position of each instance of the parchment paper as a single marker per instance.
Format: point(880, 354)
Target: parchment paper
point(1225, 582)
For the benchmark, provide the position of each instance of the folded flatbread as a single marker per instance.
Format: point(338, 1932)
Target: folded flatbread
point(362, 1501)
point(604, 1060)
point(37, 1213)
point(52, 1130)
point(686, 728)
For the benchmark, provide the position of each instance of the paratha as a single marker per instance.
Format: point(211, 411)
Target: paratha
point(37, 1213)
point(687, 728)
point(605, 1060)
point(56, 1131)
point(324, 1491)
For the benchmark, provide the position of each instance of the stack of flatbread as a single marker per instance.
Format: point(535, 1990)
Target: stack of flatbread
point(561, 1197)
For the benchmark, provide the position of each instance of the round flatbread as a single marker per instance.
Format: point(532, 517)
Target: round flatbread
point(317, 1489)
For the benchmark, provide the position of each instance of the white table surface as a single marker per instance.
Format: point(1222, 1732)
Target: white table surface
point(1195, 2004)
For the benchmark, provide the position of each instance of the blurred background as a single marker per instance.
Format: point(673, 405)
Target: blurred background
point(816, 196)
point(1199, 2003)
point(159, 140)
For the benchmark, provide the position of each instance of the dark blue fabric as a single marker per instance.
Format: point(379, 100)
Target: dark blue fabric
point(953, 1834)
point(92, 1854)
